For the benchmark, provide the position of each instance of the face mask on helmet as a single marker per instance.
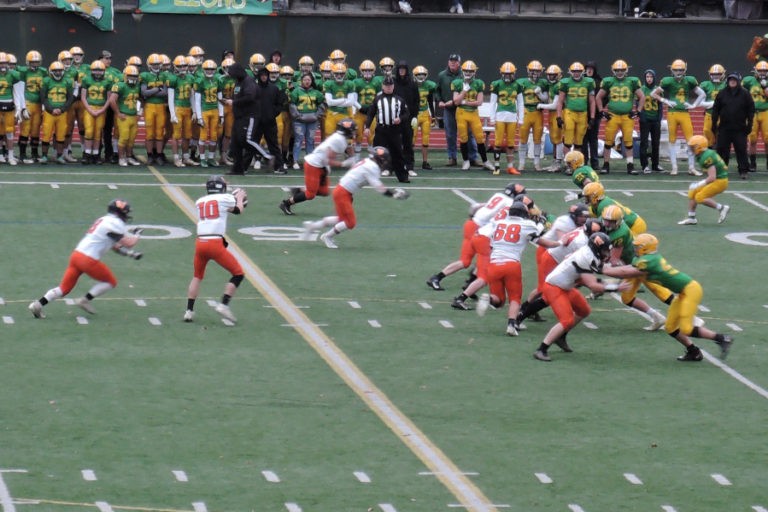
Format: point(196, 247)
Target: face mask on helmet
point(56, 72)
point(154, 63)
point(97, 73)
point(339, 76)
point(468, 74)
point(216, 185)
point(420, 78)
point(576, 73)
point(121, 208)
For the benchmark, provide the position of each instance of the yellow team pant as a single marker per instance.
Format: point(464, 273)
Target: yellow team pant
point(183, 129)
point(284, 130)
point(127, 129)
point(504, 135)
point(225, 129)
point(210, 129)
point(532, 121)
point(708, 133)
point(331, 120)
point(619, 122)
point(575, 127)
point(759, 126)
point(31, 127)
point(154, 120)
point(663, 294)
point(469, 122)
point(423, 121)
point(76, 112)
point(681, 119)
point(555, 132)
point(708, 190)
point(7, 122)
point(54, 124)
point(94, 125)
point(683, 308)
point(360, 121)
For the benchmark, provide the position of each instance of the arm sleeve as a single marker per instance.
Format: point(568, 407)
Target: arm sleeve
point(700, 96)
point(372, 111)
point(44, 98)
point(220, 105)
point(144, 92)
point(196, 105)
point(494, 105)
point(171, 98)
point(520, 109)
point(335, 102)
point(18, 95)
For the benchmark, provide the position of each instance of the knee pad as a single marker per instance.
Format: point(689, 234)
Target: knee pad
point(695, 332)
point(674, 333)
point(669, 299)
point(236, 280)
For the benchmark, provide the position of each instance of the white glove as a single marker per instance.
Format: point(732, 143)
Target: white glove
point(349, 162)
point(200, 121)
point(687, 106)
point(537, 90)
point(465, 87)
point(669, 103)
point(414, 122)
point(25, 114)
point(174, 119)
point(570, 196)
point(17, 116)
point(399, 193)
point(540, 106)
point(697, 184)
point(764, 83)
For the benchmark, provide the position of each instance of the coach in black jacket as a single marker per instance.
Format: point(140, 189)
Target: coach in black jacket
point(271, 100)
point(407, 89)
point(245, 109)
point(732, 115)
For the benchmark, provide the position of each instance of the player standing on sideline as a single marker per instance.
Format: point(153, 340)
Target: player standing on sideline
point(12, 103)
point(318, 163)
point(711, 87)
point(124, 100)
point(212, 212)
point(468, 96)
point(554, 75)
point(366, 172)
point(702, 192)
point(29, 133)
point(426, 115)
point(94, 90)
point(649, 264)
point(504, 115)
point(576, 105)
point(57, 95)
point(108, 232)
point(533, 89)
point(757, 86)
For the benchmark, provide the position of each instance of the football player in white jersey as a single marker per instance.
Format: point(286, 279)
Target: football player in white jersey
point(365, 172)
point(561, 293)
point(317, 165)
point(108, 232)
point(510, 231)
point(479, 215)
point(212, 212)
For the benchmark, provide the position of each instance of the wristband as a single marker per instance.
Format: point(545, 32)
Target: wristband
point(611, 287)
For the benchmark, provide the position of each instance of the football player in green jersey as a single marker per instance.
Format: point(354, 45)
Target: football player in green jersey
point(581, 173)
point(576, 105)
point(554, 75)
point(468, 97)
point(757, 85)
point(533, 89)
point(180, 95)
point(680, 323)
point(504, 116)
point(426, 115)
point(711, 87)
point(367, 86)
point(33, 74)
point(94, 92)
point(702, 192)
point(12, 104)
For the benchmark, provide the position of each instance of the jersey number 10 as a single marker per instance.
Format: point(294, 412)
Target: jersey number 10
point(208, 210)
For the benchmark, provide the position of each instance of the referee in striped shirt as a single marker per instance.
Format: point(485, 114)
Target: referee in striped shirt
point(391, 114)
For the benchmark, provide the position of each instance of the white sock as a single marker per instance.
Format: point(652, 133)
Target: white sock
point(630, 157)
point(53, 294)
point(673, 154)
point(340, 226)
point(100, 289)
point(559, 151)
point(522, 153)
point(211, 155)
point(536, 151)
point(185, 155)
point(114, 145)
point(719, 206)
point(691, 214)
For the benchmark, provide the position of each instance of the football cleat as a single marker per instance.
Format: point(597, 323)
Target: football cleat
point(657, 321)
point(457, 303)
point(285, 207)
point(692, 355)
point(511, 170)
point(695, 172)
point(189, 315)
point(631, 169)
point(563, 344)
point(489, 166)
point(37, 309)
point(725, 345)
point(511, 330)
point(482, 304)
point(465, 165)
point(224, 311)
point(723, 213)
point(84, 303)
point(328, 241)
point(542, 356)
point(306, 234)
point(434, 283)
point(688, 221)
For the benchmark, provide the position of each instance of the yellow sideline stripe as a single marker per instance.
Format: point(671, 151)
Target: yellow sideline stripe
point(33, 501)
point(445, 470)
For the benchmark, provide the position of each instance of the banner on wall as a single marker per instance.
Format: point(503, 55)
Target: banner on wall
point(98, 12)
point(257, 7)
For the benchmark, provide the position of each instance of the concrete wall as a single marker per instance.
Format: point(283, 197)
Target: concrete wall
point(421, 40)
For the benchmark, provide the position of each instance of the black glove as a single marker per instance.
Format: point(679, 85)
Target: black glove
point(633, 114)
point(560, 122)
point(364, 110)
point(607, 115)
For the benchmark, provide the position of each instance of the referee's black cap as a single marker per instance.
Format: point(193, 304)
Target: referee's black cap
point(388, 81)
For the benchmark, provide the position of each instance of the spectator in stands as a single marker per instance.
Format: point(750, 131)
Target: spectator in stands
point(456, 7)
point(589, 146)
point(407, 89)
point(650, 124)
point(444, 96)
point(732, 116)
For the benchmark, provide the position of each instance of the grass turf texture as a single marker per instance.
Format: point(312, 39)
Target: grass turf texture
point(133, 401)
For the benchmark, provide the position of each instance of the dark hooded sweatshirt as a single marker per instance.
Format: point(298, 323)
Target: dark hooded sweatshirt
point(652, 109)
point(406, 88)
point(244, 99)
point(270, 97)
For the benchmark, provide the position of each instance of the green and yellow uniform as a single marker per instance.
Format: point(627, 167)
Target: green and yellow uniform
point(208, 89)
point(651, 107)
point(506, 112)
point(183, 87)
point(227, 88)
point(424, 119)
point(760, 123)
point(335, 114)
point(533, 119)
point(154, 106)
point(284, 129)
point(56, 95)
point(706, 159)
point(366, 92)
point(127, 97)
point(711, 89)
point(467, 117)
point(677, 115)
point(583, 173)
point(635, 223)
point(7, 108)
point(96, 92)
point(33, 81)
point(620, 96)
point(575, 97)
point(555, 132)
point(76, 111)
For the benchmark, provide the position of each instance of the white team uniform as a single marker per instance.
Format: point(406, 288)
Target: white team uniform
point(508, 244)
point(567, 273)
point(364, 173)
point(336, 142)
point(488, 211)
point(98, 240)
point(562, 224)
point(212, 212)
point(572, 242)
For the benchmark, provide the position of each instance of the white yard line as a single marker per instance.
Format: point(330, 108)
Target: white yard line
point(734, 326)
point(374, 323)
point(751, 201)
point(181, 476)
point(736, 375)
point(353, 304)
point(155, 321)
point(668, 508)
point(758, 508)
point(387, 507)
point(362, 477)
point(721, 479)
point(89, 475)
point(103, 506)
point(426, 305)
point(140, 302)
point(5, 495)
point(199, 506)
point(446, 324)
point(7, 319)
point(82, 320)
point(632, 478)
point(589, 325)
point(575, 508)
point(292, 507)
point(271, 476)
point(463, 196)
point(544, 478)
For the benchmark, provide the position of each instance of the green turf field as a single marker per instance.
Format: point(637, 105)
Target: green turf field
point(347, 384)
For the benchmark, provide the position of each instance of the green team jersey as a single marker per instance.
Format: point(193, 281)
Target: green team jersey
point(622, 237)
point(83, 69)
point(57, 92)
point(113, 74)
point(7, 80)
point(96, 90)
point(507, 95)
point(629, 216)
point(208, 88)
point(153, 80)
point(426, 89)
point(366, 91)
point(33, 80)
point(351, 74)
point(582, 173)
point(678, 92)
point(298, 73)
point(182, 86)
point(227, 86)
point(752, 84)
point(553, 89)
point(651, 105)
point(528, 90)
point(476, 86)
point(338, 91)
point(307, 100)
point(577, 93)
point(661, 272)
point(127, 96)
point(620, 93)
point(283, 85)
point(72, 74)
point(711, 89)
point(708, 158)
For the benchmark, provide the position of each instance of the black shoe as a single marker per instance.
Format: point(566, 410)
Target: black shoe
point(691, 355)
point(426, 166)
point(563, 344)
point(161, 160)
point(434, 283)
point(631, 169)
point(151, 160)
point(114, 159)
point(725, 345)
point(451, 162)
point(294, 190)
point(285, 207)
point(537, 318)
point(606, 168)
point(280, 171)
point(460, 304)
point(542, 356)
point(85, 160)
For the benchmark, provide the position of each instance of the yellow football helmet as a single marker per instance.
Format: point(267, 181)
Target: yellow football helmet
point(306, 64)
point(387, 65)
point(678, 69)
point(613, 216)
point(77, 54)
point(154, 63)
point(337, 57)
point(761, 69)
point(97, 69)
point(180, 65)
point(716, 73)
point(65, 58)
point(339, 72)
point(286, 72)
point(34, 59)
point(594, 192)
point(134, 61)
point(131, 74)
point(620, 69)
point(326, 69)
point(12, 61)
point(198, 53)
point(534, 70)
point(191, 64)
point(645, 243)
point(573, 160)
point(576, 70)
point(256, 62)
point(420, 74)
point(367, 69)
point(508, 71)
point(554, 74)
point(698, 144)
point(3, 61)
point(226, 63)
point(56, 70)
point(469, 69)
point(166, 60)
point(209, 68)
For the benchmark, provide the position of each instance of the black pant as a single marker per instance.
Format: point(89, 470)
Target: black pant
point(391, 137)
point(268, 129)
point(407, 144)
point(242, 152)
point(652, 128)
point(589, 145)
point(738, 138)
point(109, 124)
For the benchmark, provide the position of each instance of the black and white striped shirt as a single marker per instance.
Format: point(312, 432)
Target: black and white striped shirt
point(386, 108)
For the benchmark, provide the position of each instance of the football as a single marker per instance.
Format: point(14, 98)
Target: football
point(238, 191)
